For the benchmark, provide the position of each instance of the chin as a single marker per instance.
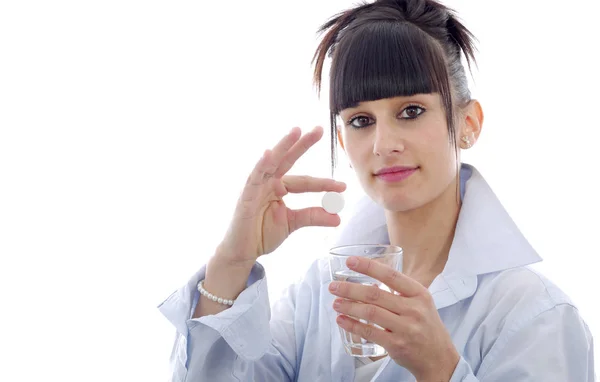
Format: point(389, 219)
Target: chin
point(396, 201)
point(399, 206)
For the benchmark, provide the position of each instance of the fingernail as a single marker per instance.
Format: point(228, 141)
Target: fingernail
point(334, 286)
point(352, 261)
point(337, 304)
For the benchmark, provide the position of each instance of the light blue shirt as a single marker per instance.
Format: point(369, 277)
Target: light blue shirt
point(507, 321)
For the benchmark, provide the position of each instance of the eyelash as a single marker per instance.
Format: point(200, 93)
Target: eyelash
point(349, 122)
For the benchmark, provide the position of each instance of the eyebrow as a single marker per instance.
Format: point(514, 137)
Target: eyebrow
point(420, 98)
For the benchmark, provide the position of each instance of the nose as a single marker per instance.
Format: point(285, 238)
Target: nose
point(387, 139)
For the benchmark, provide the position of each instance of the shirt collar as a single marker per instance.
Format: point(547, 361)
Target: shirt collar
point(486, 239)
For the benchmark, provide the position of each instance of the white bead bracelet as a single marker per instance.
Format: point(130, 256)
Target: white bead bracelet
point(212, 296)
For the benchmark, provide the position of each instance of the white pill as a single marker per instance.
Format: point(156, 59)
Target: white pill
point(333, 202)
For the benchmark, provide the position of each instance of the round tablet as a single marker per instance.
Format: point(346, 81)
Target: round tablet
point(333, 202)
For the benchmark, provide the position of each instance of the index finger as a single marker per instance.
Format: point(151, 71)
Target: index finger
point(303, 183)
point(395, 280)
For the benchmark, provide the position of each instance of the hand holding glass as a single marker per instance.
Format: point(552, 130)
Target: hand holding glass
point(390, 255)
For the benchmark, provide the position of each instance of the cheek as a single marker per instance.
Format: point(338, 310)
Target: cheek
point(357, 151)
point(437, 153)
point(430, 148)
point(435, 142)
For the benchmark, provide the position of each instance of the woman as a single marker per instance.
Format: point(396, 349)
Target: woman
point(468, 308)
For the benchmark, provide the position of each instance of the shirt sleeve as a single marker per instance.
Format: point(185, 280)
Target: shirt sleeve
point(237, 344)
point(556, 345)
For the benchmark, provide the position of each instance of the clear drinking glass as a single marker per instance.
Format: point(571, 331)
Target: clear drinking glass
point(390, 255)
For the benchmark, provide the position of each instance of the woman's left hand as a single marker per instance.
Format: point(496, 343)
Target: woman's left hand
point(414, 335)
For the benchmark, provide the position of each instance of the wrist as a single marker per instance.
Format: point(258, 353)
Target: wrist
point(225, 280)
point(221, 269)
point(442, 372)
point(226, 257)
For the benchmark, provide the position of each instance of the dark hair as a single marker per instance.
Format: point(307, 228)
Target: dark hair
point(392, 48)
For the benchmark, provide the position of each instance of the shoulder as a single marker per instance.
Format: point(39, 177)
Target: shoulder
point(527, 320)
point(520, 295)
point(523, 283)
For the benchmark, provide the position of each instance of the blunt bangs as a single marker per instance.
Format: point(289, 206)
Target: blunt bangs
point(384, 60)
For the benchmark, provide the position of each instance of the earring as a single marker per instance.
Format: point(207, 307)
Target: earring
point(467, 141)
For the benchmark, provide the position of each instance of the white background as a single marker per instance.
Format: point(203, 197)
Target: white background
point(127, 129)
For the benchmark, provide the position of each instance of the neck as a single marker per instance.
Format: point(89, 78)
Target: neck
point(425, 234)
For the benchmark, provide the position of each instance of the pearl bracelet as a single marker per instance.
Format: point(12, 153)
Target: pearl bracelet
point(212, 296)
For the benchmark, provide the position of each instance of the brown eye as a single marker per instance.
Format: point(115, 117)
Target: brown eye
point(360, 122)
point(412, 112)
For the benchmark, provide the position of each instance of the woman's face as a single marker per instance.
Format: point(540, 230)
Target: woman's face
point(402, 131)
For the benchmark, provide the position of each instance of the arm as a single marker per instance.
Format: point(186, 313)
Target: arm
point(238, 343)
point(225, 279)
point(556, 345)
point(222, 342)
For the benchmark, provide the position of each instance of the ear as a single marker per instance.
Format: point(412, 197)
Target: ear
point(471, 124)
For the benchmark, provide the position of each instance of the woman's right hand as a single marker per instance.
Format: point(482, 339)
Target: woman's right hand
point(262, 221)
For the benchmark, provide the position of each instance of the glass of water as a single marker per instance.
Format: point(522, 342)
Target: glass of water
point(390, 255)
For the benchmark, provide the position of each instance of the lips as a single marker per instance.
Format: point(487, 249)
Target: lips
point(391, 170)
point(395, 174)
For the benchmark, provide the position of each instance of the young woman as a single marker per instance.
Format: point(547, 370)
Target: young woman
point(467, 309)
